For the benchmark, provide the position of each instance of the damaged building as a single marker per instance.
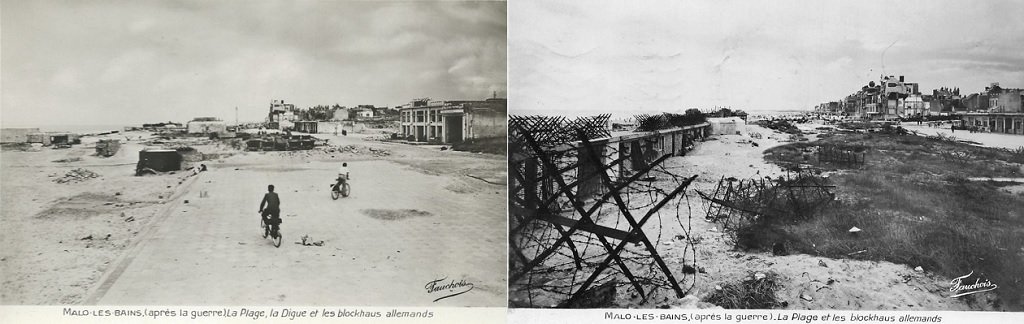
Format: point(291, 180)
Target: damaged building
point(432, 121)
point(282, 115)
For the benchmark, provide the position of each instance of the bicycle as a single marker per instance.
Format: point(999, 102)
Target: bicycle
point(340, 191)
point(273, 231)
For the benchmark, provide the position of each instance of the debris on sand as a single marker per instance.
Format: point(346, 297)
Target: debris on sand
point(77, 175)
point(855, 253)
point(692, 302)
point(394, 214)
point(751, 293)
point(688, 269)
point(780, 125)
point(22, 147)
point(67, 160)
point(308, 241)
point(360, 150)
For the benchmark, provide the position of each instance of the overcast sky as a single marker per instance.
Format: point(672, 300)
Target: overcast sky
point(111, 62)
point(613, 56)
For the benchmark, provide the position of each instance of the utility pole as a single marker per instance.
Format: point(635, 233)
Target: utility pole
point(236, 115)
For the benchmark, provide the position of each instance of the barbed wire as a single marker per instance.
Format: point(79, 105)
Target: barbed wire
point(562, 274)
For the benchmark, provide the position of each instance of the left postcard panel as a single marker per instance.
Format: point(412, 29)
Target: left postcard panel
point(254, 153)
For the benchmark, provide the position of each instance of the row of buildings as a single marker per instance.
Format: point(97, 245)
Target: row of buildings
point(282, 113)
point(996, 109)
point(420, 120)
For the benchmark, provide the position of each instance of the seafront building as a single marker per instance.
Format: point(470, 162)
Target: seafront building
point(1010, 123)
point(1002, 112)
point(435, 121)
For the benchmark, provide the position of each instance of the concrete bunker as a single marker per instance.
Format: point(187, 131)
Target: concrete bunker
point(152, 161)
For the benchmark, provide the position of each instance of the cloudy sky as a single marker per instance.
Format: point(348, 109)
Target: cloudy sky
point(670, 55)
point(110, 62)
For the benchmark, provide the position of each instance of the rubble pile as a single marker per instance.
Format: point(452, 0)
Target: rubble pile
point(76, 175)
point(780, 125)
point(356, 149)
point(339, 150)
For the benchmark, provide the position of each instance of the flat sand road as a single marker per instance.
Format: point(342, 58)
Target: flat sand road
point(210, 250)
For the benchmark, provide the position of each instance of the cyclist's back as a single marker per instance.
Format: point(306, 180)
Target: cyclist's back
point(271, 204)
point(272, 201)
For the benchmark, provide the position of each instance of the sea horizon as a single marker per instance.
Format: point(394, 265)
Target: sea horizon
point(74, 128)
point(86, 128)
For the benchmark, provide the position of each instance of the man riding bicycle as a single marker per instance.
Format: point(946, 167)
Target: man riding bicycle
point(342, 176)
point(272, 213)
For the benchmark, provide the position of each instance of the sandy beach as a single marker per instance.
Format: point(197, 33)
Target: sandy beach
point(809, 282)
point(416, 214)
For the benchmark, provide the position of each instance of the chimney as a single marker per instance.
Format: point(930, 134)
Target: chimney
point(901, 78)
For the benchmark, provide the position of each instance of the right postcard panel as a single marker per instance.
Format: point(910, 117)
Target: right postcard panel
point(841, 161)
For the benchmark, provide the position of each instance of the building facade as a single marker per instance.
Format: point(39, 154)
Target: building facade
point(1009, 123)
point(913, 105)
point(206, 125)
point(1006, 101)
point(281, 115)
point(425, 120)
